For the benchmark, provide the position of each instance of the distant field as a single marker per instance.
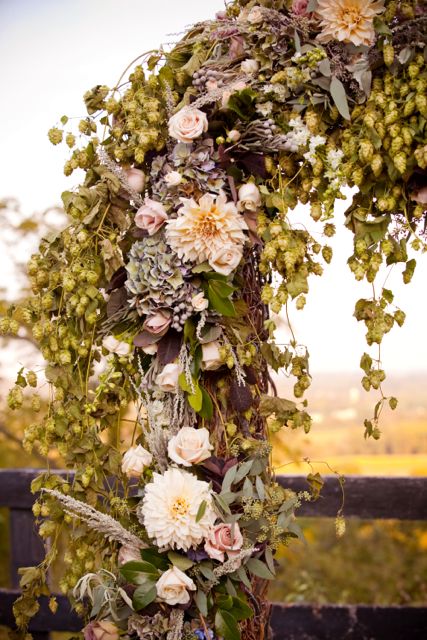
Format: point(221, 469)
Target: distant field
point(376, 465)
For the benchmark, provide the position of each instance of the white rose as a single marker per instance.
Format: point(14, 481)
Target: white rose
point(234, 135)
point(173, 178)
point(255, 15)
point(135, 179)
point(172, 587)
point(116, 346)
point(128, 554)
point(167, 379)
point(249, 66)
point(237, 86)
point(190, 446)
point(199, 302)
point(226, 259)
point(151, 216)
point(135, 460)
point(249, 197)
point(211, 358)
point(188, 124)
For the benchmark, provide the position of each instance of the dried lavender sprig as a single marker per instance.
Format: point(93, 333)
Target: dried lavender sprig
point(97, 520)
point(216, 94)
point(115, 168)
point(232, 564)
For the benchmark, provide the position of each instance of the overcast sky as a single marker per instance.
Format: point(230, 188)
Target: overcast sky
point(52, 51)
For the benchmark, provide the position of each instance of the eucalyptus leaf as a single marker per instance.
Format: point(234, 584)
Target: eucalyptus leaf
point(260, 488)
point(243, 470)
point(325, 67)
point(201, 511)
point(201, 602)
point(259, 569)
point(229, 478)
point(207, 572)
point(339, 97)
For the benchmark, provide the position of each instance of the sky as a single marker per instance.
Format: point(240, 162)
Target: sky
point(52, 51)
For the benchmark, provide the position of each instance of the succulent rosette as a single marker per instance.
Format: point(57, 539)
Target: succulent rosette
point(182, 238)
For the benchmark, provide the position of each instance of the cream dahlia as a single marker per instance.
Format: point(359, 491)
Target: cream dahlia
point(170, 506)
point(348, 20)
point(202, 228)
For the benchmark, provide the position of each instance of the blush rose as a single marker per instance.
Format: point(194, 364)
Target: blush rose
point(188, 124)
point(172, 587)
point(224, 538)
point(190, 446)
point(151, 216)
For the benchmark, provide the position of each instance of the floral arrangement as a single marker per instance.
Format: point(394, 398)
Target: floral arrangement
point(157, 295)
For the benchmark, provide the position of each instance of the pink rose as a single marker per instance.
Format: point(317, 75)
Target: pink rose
point(299, 7)
point(151, 216)
point(101, 630)
point(224, 538)
point(188, 124)
point(158, 322)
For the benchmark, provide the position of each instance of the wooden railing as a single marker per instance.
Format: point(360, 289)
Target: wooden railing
point(367, 498)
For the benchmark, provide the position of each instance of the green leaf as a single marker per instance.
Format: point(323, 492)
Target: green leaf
point(201, 602)
point(218, 294)
point(282, 408)
point(201, 511)
point(226, 626)
point(225, 602)
point(270, 560)
point(381, 27)
point(195, 400)
point(316, 483)
point(152, 556)
point(138, 572)
point(182, 381)
point(182, 562)
point(339, 96)
point(206, 410)
point(224, 306)
point(202, 268)
point(189, 331)
point(241, 610)
point(259, 569)
point(144, 596)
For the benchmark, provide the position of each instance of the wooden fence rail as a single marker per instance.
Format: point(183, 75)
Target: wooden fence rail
point(365, 497)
